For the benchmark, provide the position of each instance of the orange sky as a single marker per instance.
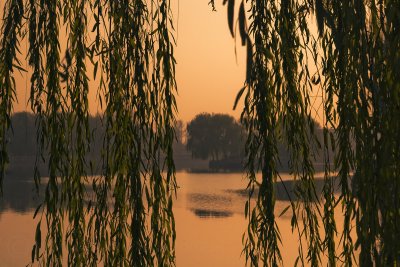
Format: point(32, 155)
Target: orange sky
point(207, 73)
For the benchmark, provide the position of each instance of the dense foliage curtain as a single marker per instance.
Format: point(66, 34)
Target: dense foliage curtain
point(351, 57)
point(124, 216)
point(126, 219)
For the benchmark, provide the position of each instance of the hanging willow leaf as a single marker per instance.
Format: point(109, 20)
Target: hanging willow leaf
point(38, 237)
point(96, 65)
point(320, 13)
point(238, 96)
point(316, 79)
point(249, 61)
point(212, 4)
point(33, 253)
point(36, 211)
point(242, 24)
point(284, 211)
point(231, 7)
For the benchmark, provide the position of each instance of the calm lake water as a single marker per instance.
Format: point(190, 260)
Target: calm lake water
point(209, 215)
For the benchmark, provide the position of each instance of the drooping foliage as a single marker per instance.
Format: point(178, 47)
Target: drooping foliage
point(350, 56)
point(9, 46)
point(124, 216)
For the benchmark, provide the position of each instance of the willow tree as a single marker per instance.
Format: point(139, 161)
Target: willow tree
point(127, 219)
point(353, 60)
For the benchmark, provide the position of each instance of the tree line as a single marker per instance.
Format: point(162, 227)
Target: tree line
point(220, 138)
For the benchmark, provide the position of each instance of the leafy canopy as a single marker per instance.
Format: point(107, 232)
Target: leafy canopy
point(352, 64)
point(352, 61)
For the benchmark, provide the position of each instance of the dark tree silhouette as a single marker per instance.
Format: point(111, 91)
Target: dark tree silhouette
point(352, 64)
point(214, 136)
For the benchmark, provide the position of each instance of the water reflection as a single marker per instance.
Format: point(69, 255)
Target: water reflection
point(210, 205)
point(207, 195)
point(19, 196)
point(209, 215)
point(209, 199)
point(221, 203)
point(285, 190)
point(204, 214)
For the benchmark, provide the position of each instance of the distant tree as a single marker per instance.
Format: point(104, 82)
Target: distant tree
point(22, 137)
point(215, 136)
point(180, 131)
